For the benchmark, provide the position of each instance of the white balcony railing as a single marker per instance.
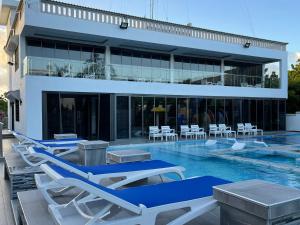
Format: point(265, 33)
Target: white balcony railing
point(41, 66)
point(101, 16)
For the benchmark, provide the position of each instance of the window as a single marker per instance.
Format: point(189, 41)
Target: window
point(17, 110)
point(17, 59)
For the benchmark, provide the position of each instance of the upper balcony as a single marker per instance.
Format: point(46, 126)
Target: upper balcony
point(53, 67)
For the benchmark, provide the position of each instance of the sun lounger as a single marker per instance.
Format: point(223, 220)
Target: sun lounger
point(129, 172)
point(140, 205)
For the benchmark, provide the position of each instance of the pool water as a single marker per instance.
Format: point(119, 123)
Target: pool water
point(269, 157)
point(185, 154)
point(275, 140)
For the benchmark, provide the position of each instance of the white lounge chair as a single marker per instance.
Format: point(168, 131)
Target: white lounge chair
point(154, 133)
point(138, 205)
point(63, 146)
point(185, 131)
point(167, 132)
point(213, 129)
point(129, 172)
point(226, 131)
point(253, 129)
point(241, 129)
point(198, 131)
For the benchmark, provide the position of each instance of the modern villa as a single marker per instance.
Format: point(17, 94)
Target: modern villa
point(106, 75)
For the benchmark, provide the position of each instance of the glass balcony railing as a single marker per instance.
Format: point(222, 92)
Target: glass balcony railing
point(42, 66)
point(79, 69)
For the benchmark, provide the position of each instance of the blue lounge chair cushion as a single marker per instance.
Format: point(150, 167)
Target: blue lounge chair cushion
point(159, 194)
point(112, 168)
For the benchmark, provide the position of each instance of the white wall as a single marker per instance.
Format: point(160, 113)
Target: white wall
point(293, 122)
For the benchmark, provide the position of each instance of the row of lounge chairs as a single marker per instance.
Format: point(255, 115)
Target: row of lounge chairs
point(194, 131)
point(97, 203)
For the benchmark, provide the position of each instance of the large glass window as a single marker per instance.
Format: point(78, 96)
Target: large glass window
point(68, 114)
point(246, 110)
point(182, 112)
point(275, 115)
point(272, 75)
point(148, 106)
point(220, 112)
point(282, 114)
point(52, 115)
point(260, 114)
point(243, 74)
point(253, 112)
point(171, 112)
point(136, 116)
point(122, 117)
point(160, 111)
point(237, 112)
point(211, 111)
point(193, 111)
point(268, 115)
point(202, 113)
point(228, 113)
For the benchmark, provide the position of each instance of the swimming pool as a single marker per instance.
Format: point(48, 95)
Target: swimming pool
point(195, 157)
point(269, 156)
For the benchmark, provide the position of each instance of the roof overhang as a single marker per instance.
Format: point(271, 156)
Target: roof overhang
point(13, 95)
point(5, 8)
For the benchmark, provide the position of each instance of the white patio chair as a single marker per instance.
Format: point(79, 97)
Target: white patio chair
point(185, 131)
point(167, 132)
point(213, 129)
point(198, 131)
point(241, 129)
point(226, 131)
point(253, 129)
point(154, 133)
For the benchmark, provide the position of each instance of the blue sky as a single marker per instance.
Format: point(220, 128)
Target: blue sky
point(270, 19)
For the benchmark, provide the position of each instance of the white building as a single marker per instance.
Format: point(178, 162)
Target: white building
point(106, 75)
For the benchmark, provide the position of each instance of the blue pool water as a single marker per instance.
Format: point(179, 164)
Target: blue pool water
point(195, 157)
point(269, 157)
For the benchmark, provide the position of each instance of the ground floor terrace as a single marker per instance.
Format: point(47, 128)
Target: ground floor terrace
point(113, 117)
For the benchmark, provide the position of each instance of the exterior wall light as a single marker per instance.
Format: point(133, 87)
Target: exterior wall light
point(247, 45)
point(10, 63)
point(124, 25)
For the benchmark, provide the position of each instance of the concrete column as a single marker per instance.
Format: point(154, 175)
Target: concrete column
point(93, 153)
point(107, 63)
point(172, 68)
point(222, 71)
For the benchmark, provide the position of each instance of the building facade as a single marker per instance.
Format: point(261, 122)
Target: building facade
point(105, 75)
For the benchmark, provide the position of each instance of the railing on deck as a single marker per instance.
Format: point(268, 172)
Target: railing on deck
point(101, 16)
point(41, 66)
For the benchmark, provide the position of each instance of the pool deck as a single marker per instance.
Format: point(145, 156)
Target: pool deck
point(7, 217)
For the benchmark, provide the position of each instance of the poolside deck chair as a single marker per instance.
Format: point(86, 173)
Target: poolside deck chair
point(167, 132)
point(253, 129)
point(129, 172)
point(136, 205)
point(185, 131)
point(241, 129)
point(213, 129)
point(198, 131)
point(226, 131)
point(154, 132)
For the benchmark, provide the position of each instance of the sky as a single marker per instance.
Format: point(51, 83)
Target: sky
point(270, 19)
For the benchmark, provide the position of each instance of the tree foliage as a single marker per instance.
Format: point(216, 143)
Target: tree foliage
point(293, 102)
point(3, 104)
